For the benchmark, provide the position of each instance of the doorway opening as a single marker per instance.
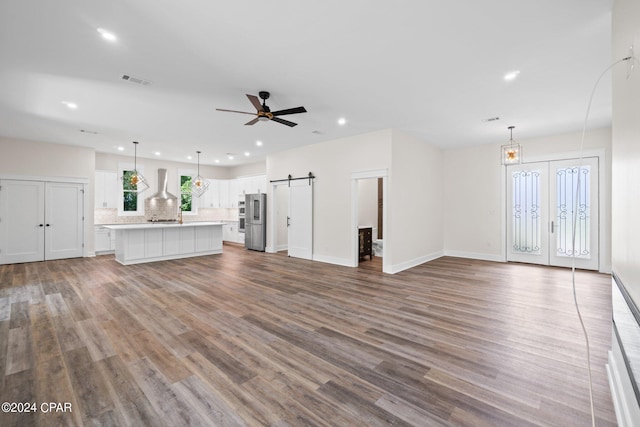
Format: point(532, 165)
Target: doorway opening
point(370, 237)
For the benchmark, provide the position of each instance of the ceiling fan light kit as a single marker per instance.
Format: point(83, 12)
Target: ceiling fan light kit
point(263, 112)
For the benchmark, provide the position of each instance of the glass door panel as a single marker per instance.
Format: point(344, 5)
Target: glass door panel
point(574, 206)
point(527, 208)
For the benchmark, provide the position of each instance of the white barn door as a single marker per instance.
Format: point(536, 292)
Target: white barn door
point(300, 219)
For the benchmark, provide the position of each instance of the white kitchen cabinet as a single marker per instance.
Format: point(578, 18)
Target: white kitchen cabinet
point(244, 185)
point(252, 184)
point(211, 197)
point(234, 196)
point(224, 192)
point(104, 240)
point(49, 223)
point(230, 231)
point(157, 242)
point(106, 189)
point(259, 184)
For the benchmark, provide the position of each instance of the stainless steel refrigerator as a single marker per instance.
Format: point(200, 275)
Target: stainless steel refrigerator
point(255, 226)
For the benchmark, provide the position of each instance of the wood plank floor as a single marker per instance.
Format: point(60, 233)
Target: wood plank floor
point(254, 339)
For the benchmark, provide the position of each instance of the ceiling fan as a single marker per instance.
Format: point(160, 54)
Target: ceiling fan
point(264, 113)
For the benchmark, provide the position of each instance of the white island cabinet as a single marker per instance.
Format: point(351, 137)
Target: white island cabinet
point(138, 243)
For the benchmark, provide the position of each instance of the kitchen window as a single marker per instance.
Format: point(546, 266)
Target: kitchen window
point(187, 201)
point(130, 202)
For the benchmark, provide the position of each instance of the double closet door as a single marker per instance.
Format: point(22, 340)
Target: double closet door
point(552, 213)
point(40, 221)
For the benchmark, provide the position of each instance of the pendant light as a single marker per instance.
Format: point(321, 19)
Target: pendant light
point(511, 153)
point(198, 184)
point(134, 180)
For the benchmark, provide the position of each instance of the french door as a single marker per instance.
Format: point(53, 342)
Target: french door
point(552, 213)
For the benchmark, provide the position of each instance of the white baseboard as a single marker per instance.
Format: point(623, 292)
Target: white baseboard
point(345, 262)
point(396, 268)
point(474, 255)
point(622, 394)
point(272, 250)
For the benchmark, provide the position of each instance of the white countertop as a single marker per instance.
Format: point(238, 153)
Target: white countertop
point(161, 225)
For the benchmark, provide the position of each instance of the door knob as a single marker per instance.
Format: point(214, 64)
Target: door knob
point(48, 225)
point(40, 225)
point(288, 219)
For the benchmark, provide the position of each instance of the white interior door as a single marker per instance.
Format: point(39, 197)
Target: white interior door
point(542, 198)
point(21, 221)
point(64, 235)
point(300, 219)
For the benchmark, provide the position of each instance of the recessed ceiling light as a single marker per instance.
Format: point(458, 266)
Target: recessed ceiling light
point(246, 153)
point(157, 153)
point(107, 35)
point(511, 75)
point(217, 161)
point(120, 148)
point(342, 121)
point(189, 157)
point(259, 143)
point(70, 105)
point(230, 156)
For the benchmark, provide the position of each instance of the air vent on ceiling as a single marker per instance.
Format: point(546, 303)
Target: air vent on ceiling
point(88, 131)
point(134, 79)
point(317, 132)
point(491, 119)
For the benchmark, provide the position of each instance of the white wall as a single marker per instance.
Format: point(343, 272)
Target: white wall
point(625, 190)
point(332, 163)
point(474, 190)
point(257, 168)
point(626, 148)
point(415, 215)
point(415, 187)
point(22, 157)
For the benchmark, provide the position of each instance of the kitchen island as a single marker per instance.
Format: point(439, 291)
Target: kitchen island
point(157, 241)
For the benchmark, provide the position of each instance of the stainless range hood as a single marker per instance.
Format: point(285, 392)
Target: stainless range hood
point(162, 193)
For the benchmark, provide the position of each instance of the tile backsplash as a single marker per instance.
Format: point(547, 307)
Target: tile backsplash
point(110, 216)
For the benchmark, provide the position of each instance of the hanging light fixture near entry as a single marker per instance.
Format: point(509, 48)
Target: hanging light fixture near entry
point(511, 153)
point(198, 184)
point(133, 180)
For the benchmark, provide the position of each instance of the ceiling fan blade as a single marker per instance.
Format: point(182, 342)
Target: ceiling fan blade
point(253, 122)
point(234, 111)
point(255, 101)
point(289, 111)
point(284, 122)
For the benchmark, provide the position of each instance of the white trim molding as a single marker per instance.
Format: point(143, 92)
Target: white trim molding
point(396, 268)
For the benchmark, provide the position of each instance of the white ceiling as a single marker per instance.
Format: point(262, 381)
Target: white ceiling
point(431, 68)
